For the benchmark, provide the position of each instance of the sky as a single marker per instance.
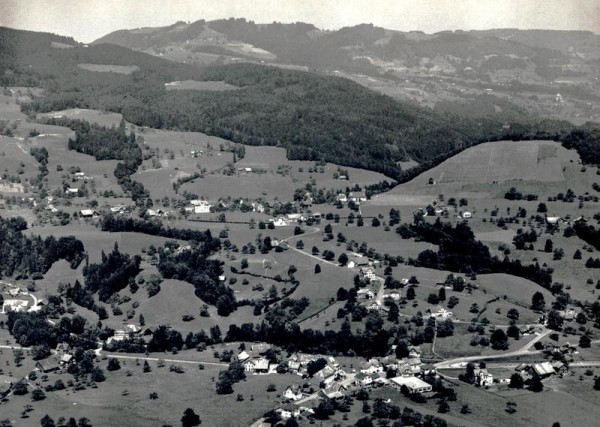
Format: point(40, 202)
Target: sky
point(88, 20)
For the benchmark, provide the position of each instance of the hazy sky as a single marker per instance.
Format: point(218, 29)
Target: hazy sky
point(87, 20)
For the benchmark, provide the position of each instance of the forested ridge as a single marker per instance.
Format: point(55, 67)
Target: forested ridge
point(313, 116)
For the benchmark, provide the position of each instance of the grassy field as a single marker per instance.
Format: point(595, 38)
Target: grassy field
point(176, 392)
point(103, 68)
point(92, 116)
point(198, 85)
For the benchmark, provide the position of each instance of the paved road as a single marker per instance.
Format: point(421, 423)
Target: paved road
point(460, 362)
point(101, 353)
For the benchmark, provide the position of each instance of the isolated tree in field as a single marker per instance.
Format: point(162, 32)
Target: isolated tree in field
point(537, 302)
point(513, 314)
point(541, 208)
point(113, 364)
point(442, 294)
point(190, 418)
point(585, 341)
point(410, 293)
point(499, 340)
point(548, 247)
point(38, 394)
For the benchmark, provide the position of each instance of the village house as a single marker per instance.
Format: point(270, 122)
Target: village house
point(200, 206)
point(413, 384)
point(88, 213)
point(260, 348)
point(365, 293)
point(441, 313)
point(542, 370)
point(414, 351)
point(341, 198)
point(243, 356)
point(158, 212)
point(483, 378)
point(466, 215)
point(278, 222)
point(293, 366)
point(257, 366)
point(71, 190)
point(357, 196)
point(258, 207)
point(15, 305)
point(6, 384)
point(554, 220)
point(293, 392)
point(48, 365)
point(395, 295)
point(363, 380)
point(368, 273)
point(117, 209)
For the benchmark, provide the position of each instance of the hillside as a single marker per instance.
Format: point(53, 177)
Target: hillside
point(313, 116)
point(367, 48)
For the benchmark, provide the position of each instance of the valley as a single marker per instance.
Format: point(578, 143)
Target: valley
point(260, 245)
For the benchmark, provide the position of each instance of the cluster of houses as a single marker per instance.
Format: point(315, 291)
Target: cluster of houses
point(58, 361)
point(13, 303)
point(127, 332)
point(334, 382)
point(254, 361)
point(356, 197)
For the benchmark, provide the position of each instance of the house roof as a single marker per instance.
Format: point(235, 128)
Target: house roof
point(261, 364)
point(544, 368)
point(410, 382)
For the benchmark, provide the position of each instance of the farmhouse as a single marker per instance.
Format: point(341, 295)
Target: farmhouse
point(48, 365)
point(118, 209)
point(366, 293)
point(243, 356)
point(293, 392)
point(441, 313)
point(542, 370)
point(554, 220)
point(258, 366)
point(15, 305)
point(368, 273)
point(88, 213)
point(341, 198)
point(71, 190)
point(358, 196)
point(279, 222)
point(363, 380)
point(466, 215)
point(413, 384)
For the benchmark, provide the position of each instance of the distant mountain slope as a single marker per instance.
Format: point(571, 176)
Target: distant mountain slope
point(369, 49)
point(313, 116)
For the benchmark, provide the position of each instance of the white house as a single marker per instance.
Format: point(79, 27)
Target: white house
point(358, 196)
point(466, 215)
point(483, 378)
point(366, 293)
point(87, 213)
point(72, 190)
point(413, 384)
point(293, 392)
point(279, 222)
point(553, 220)
point(341, 198)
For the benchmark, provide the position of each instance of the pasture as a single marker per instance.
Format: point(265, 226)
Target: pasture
point(133, 407)
point(199, 85)
point(106, 68)
point(93, 116)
